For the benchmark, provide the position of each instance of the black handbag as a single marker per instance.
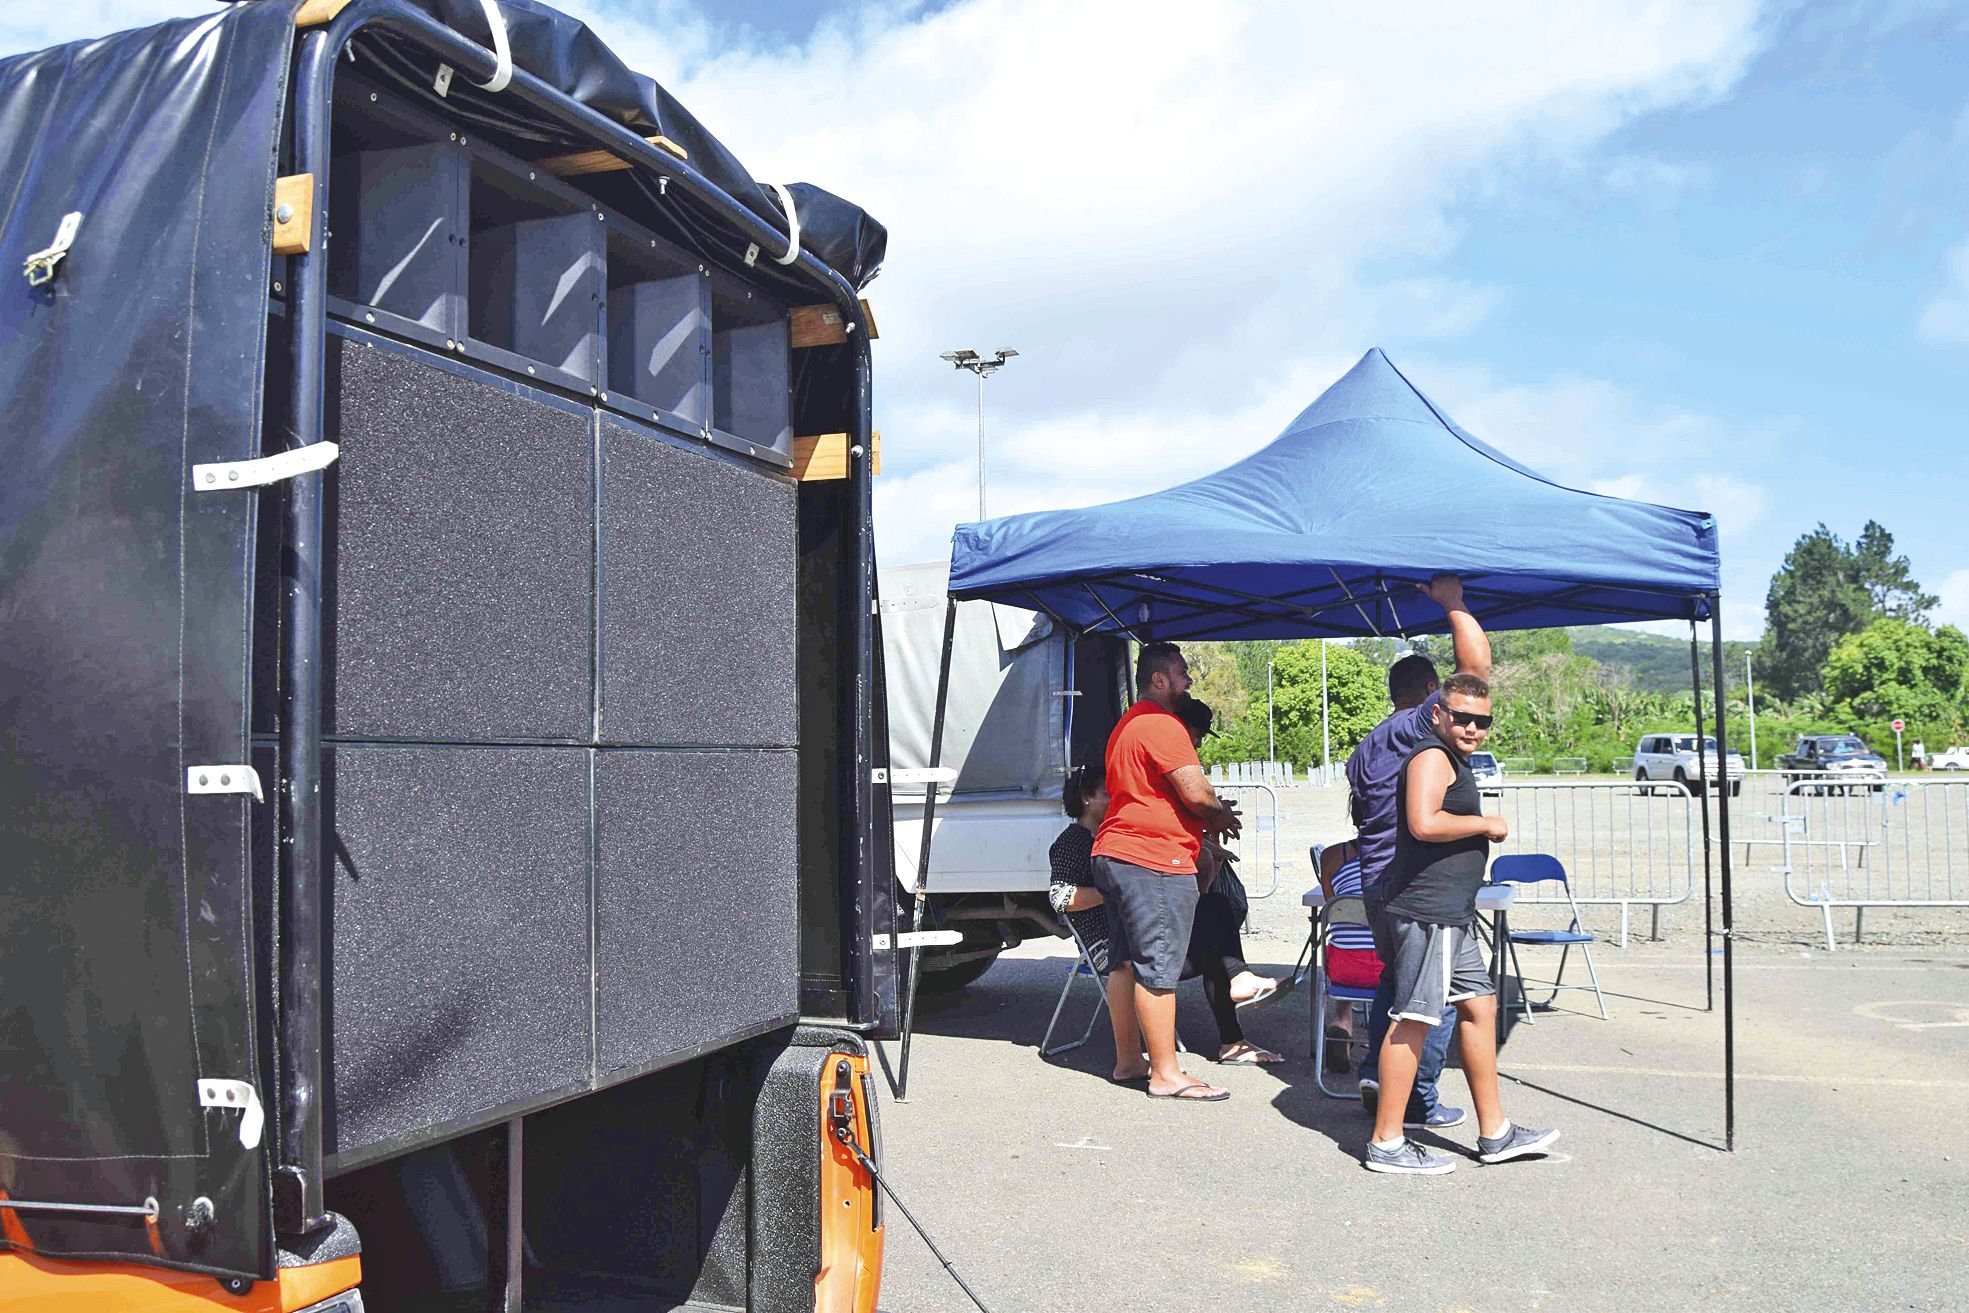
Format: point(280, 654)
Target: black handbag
point(1233, 888)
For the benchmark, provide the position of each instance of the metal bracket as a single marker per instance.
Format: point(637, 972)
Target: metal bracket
point(236, 1094)
point(443, 84)
point(920, 939)
point(919, 775)
point(224, 779)
point(267, 469)
point(41, 265)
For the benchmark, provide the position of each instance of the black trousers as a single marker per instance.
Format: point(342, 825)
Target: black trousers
point(1217, 954)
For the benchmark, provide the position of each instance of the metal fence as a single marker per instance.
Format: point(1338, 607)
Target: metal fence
point(1257, 847)
point(1887, 843)
point(1621, 846)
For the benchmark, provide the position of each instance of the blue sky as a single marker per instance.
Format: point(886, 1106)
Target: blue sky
point(1713, 253)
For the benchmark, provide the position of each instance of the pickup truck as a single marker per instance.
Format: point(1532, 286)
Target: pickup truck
point(1954, 759)
point(1832, 762)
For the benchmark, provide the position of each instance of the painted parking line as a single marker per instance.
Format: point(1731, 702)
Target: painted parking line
point(1666, 1073)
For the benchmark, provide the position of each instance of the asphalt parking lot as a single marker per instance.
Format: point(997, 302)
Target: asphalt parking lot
point(1052, 1188)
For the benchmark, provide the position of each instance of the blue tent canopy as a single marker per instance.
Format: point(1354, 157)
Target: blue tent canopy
point(1325, 532)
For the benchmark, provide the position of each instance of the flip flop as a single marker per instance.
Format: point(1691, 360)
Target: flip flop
point(1261, 996)
point(1182, 1093)
point(1255, 1056)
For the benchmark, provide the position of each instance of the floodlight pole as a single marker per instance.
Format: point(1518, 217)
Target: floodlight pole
point(1729, 921)
point(984, 368)
point(1271, 740)
point(1326, 731)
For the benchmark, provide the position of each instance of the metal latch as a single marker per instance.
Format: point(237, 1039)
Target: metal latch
point(920, 939)
point(916, 775)
point(281, 465)
point(41, 265)
point(242, 1096)
point(224, 779)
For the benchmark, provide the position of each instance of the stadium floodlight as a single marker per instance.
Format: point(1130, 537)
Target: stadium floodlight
point(965, 358)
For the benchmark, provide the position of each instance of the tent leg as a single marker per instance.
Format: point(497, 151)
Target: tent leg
point(923, 863)
point(1729, 924)
point(1702, 782)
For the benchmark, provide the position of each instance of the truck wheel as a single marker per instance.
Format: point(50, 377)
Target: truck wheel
point(1682, 778)
point(1736, 788)
point(941, 976)
point(1642, 787)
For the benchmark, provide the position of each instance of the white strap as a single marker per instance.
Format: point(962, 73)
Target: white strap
point(224, 779)
point(267, 469)
point(915, 775)
point(792, 224)
point(920, 939)
point(502, 47)
point(236, 1094)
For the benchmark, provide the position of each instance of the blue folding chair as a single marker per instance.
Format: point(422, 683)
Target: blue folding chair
point(1542, 868)
point(1085, 968)
point(1341, 911)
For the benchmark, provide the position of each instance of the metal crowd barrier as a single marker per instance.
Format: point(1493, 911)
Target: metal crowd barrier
point(1260, 828)
point(1621, 845)
point(1895, 843)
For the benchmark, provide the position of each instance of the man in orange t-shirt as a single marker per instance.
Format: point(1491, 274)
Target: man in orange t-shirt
point(1160, 806)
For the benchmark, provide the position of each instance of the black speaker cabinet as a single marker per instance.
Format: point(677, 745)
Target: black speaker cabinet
point(560, 709)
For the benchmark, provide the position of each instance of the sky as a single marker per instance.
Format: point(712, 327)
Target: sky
point(1711, 253)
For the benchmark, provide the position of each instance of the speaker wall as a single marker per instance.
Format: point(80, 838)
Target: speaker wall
point(457, 606)
point(698, 621)
point(696, 935)
point(458, 942)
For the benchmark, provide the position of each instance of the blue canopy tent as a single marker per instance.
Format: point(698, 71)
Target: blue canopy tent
point(1325, 533)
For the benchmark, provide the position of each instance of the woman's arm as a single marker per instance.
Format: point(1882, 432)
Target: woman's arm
point(1429, 777)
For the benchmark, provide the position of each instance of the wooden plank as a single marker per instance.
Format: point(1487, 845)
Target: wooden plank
point(584, 162)
point(820, 325)
point(825, 456)
point(293, 194)
point(319, 13)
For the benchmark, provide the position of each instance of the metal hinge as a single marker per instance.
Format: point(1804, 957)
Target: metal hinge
point(41, 265)
point(920, 775)
point(224, 779)
point(266, 469)
point(240, 1095)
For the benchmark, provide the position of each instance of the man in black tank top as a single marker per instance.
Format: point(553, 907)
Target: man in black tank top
point(1424, 934)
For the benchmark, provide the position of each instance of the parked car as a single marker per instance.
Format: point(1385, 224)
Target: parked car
point(1672, 758)
point(1954, 759)
point(1840, 762)
point(1488, 770)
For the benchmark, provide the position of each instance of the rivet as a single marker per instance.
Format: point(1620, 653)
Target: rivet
point(372, 97)
point(531, 175)
point(368, 317)
point(283, 214)
point(211, 477)
point(463, 140)
point(201, 781)
point(454, 136)
point(276, 285)
point(450, 345)
point(225, 780)
point(232, 476)
point(604, 396)
point(529, 369)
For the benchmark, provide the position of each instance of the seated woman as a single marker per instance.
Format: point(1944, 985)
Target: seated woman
point(1216, 950)
point(1350, 956)
point(1072, 892)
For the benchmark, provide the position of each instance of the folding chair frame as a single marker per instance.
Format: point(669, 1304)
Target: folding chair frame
point(1323, 990)
point(1082, 967)
point(1557, 982)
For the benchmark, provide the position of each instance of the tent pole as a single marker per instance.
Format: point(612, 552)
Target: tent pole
point(1729, 925)
point(1702, 775)
point(923, 861)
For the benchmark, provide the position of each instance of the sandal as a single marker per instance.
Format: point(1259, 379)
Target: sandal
point(1190, 1093)
point(1265, 994)
point(1252, 1056)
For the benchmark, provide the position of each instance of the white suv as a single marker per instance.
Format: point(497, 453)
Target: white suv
point(1672, 758)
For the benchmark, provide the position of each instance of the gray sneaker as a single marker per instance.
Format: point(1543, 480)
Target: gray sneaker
point(1407, 1158)
point(1518, 1142)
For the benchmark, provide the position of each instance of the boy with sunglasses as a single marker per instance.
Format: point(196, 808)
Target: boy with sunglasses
point(1442, 849)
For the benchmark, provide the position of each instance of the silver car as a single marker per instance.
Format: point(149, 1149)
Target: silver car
point(1666, 758)
point(1488, 770)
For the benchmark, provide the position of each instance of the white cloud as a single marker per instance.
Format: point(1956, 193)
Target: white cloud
point(1954, 595)
point(1946, 316)
point(36, 24)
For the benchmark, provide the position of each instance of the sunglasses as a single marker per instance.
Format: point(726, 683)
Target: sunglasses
point(1481, 721)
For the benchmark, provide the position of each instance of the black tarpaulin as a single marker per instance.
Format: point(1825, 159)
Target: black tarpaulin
point(125, 923)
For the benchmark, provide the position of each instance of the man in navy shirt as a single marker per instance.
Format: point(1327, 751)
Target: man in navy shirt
point(1372, 773)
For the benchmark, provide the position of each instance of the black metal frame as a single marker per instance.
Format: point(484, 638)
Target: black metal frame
point(298, 1195)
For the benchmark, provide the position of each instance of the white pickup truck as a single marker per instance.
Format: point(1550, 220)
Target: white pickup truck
point(1954, 759)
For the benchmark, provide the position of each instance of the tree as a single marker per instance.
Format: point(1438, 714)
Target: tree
point(1897, 668)
point(1824, 591)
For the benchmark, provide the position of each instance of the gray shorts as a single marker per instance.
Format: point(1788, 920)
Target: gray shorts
point(1149, 919)
point(1434, 966)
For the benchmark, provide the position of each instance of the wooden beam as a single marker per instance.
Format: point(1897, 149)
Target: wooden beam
point(820, 325)
point(319, 13)
point(584, 162)
point(825, 456)
point(293, 196)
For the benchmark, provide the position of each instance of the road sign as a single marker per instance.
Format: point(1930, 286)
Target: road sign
point(1899, 725)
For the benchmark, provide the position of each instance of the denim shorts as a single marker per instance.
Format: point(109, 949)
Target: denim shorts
point(1149, 919)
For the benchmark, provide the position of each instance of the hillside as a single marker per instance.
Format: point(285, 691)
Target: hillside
point(1659, 664)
